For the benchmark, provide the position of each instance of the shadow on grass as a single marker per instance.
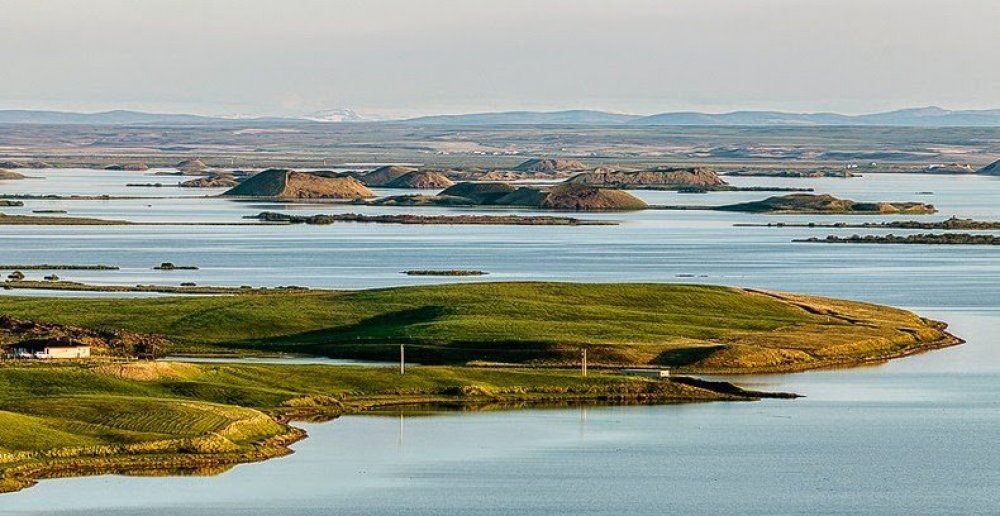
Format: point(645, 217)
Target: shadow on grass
point(379, 338)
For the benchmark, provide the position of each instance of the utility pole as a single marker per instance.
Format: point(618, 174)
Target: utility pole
point(402, 359)
point(583, 362)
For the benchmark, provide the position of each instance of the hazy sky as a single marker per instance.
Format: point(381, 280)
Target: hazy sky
point(407, 57)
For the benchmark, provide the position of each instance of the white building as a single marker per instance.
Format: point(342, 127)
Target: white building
point(51, 350)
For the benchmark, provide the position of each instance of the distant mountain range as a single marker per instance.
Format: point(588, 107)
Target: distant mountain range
point(118, 117)
point(920, 117)
point(914, 117)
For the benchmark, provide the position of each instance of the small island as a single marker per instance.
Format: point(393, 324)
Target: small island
point(169, 266)
point(135, 166)
point(954, 223)
point(57, 267)
point(561, 197)
point(497, 220)
point(452, 272)
point(37, 220)
point(793, 173)
point(680, 179)
point(824, 204)
point(394, 176)
point(284, 184)
point(927, 239)
point(219, 180)
point(660, 178)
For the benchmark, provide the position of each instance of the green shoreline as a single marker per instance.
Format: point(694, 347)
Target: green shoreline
point(299, 400)
point(106, 415)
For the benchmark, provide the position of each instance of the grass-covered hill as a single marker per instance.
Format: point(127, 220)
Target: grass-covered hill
point(827, 204)
point(696, 327)
point(289, 184)
point(384, 175)
point(166, 418)
point(666, 178)
point(421, 179)
point(100, 416)
point(565, 197)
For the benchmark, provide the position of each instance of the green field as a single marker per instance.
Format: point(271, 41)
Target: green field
point(698, 327)
point(149, 417)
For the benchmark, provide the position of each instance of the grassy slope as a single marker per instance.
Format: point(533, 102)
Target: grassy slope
point(698, 326)
point(78, 419)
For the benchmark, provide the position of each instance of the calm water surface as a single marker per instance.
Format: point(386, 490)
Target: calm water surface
point(917, 435)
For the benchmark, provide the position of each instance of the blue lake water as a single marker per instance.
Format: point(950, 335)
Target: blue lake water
point(914, 436)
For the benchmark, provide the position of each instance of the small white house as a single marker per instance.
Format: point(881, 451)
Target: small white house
point(51, 350)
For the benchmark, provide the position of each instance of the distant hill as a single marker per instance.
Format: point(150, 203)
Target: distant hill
point(913, 117)
point(125, 117)
point(916, 117)
point(119, 117)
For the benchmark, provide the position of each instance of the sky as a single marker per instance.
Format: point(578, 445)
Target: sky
point(391, 58)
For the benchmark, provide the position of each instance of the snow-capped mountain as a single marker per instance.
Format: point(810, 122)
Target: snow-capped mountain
point(334, 115)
